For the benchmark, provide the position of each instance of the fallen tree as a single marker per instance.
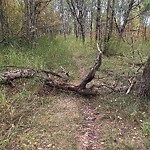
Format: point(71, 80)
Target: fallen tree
point(23, 72)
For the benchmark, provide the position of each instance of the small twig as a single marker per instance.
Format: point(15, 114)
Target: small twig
point(131, 86)
point(66, 72)
point(140, 67)
point(47, 72)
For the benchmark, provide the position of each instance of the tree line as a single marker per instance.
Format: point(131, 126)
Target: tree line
point(97, 19)
point(26, 20)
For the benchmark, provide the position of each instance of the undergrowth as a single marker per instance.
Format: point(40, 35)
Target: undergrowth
point(31, 117)
point(49, 54)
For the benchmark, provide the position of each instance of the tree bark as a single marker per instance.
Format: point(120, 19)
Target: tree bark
point(76, 28)
point(107, 27)
point(90, 76)
point(32, 10)
point(78, 11)
point(30, 21)
point(63, 18)
point(4, 24)
point(111, 19)
point(91, 20)
point(144, 89)
point(98, 21)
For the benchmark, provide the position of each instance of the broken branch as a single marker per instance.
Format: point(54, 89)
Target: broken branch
point(80, 89)
point(90, 76)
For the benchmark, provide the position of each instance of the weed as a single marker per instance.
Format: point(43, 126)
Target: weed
point(2, 97)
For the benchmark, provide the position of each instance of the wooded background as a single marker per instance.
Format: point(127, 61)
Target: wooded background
point(97, 19)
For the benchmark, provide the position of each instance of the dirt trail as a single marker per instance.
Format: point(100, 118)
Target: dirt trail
point(89, 132)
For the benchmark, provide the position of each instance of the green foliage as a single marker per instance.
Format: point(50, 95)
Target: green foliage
point(2, 97)
point(116, 47)
point(14, 13)
point(49, 54)
point(54, 53)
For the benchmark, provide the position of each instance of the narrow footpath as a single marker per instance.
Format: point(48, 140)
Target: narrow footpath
point(88, 138)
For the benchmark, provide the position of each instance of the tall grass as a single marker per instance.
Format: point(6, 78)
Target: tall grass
point(124, 48)
point(49, 54)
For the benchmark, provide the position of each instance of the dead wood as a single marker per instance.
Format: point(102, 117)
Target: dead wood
point(132, 83)
point(90, 76)
point(70, 87)
point(81, 89)
point(21, 73)
point(64, 71)
point(133, 79)
point(9, 76)
point(20, 69)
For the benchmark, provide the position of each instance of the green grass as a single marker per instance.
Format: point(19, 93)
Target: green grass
point(49, 54)
point(26, 117)
point(23, 108)
point(32, 116)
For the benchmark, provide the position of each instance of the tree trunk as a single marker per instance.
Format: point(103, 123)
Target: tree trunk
point(63, 18)
point(91, 20)
point(107, 27)
point(111, 19)
point(144, 89)
point(126, 17)
point(82, 33)
point(76, 28)
point(98, 20)
point(4, 24)
point(91, 26)
point(145, 31)
point(31, 21)
point(78, 11)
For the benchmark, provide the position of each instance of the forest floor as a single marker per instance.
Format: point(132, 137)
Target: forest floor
point(35, 117)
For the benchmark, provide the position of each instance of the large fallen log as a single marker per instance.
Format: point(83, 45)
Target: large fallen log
point(9, 76)
point(81, 89)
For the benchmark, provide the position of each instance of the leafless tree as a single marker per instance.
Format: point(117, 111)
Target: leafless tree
point(78, 11)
